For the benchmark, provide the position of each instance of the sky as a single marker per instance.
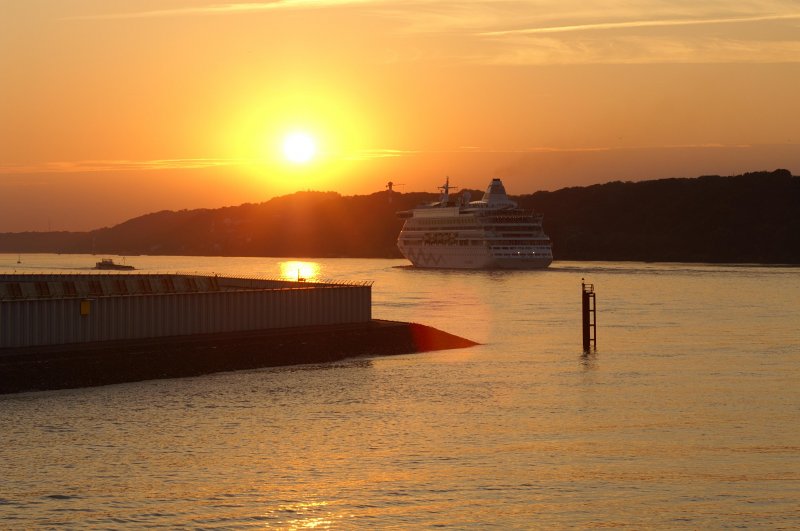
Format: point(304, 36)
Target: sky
point(114, 109)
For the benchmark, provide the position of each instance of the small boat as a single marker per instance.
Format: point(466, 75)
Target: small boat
point(108, 263)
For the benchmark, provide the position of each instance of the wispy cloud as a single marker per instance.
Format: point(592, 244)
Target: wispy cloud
point(746, 33)
point(396, 153)
point(95, 166)
point(369, 154)
point(91, 166)
point(548, 31)
point(23, 175)
point(466, 150)
point(544, 50)
point(224, 9)
point(591, 149)
point(639, 24)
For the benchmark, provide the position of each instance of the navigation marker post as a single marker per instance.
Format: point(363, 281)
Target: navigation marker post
point(589, 312)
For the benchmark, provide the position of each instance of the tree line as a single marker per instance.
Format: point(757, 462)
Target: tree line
point(750, 218)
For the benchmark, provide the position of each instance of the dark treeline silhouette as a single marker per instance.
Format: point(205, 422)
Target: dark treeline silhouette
point(751, 218)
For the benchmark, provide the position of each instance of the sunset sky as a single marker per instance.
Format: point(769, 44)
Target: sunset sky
point(113, 109)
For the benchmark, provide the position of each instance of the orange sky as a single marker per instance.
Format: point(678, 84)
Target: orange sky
point(110, 110)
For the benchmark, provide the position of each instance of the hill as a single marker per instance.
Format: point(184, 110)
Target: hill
point(750, 218)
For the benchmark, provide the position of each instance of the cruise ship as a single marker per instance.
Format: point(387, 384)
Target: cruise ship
point(493, 233)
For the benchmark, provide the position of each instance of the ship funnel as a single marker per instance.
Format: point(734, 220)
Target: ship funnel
point(495, 195)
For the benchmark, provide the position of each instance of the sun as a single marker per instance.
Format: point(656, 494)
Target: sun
point(299, 147)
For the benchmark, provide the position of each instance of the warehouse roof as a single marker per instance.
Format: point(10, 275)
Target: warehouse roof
point(67, 285)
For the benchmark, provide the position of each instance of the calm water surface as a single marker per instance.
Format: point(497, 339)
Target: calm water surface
point(687, 416)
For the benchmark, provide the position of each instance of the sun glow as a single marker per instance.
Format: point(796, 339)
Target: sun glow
point(293, 139)
point(299, 148)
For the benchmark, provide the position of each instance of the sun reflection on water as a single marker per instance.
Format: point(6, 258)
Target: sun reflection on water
point(299, 270)
point(308, 515)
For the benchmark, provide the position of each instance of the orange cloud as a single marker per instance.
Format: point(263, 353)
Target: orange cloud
point(115, 165)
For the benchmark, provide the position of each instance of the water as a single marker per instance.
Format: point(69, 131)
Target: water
point(686, 416)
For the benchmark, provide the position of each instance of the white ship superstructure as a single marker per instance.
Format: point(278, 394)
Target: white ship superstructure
point(493, 233)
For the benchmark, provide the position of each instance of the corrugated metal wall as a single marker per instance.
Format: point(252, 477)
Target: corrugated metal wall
point(53, 321)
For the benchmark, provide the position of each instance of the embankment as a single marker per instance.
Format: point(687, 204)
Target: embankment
point(112, 362)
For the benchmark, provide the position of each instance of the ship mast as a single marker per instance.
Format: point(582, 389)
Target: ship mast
point(445, 198)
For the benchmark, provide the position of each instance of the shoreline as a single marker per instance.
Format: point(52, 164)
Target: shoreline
point(120, 254)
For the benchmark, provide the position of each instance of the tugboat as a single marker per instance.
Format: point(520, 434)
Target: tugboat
point(493, 233)
point(108, 263)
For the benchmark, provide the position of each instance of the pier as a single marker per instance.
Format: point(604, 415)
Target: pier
point(62, 331)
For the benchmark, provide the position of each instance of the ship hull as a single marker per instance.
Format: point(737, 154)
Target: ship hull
point(448, 257)
point(116, 267)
